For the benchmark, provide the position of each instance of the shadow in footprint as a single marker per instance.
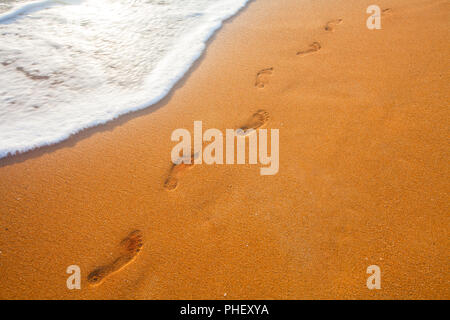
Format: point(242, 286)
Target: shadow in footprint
point(262, 77)
point(313, 47)
point(129, 249)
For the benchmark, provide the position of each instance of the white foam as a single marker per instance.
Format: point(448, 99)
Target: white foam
point(67, 68)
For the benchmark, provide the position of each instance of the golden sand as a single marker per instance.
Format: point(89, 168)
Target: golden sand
point(364, 173)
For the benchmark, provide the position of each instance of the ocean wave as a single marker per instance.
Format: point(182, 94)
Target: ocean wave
point(67, 68)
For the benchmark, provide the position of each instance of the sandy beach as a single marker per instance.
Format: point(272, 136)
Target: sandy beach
point(363, 118)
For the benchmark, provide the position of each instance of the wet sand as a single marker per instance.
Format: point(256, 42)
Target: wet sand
point(364, 175)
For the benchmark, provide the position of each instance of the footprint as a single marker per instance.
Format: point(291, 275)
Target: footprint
point(130, 247)
point(259, 119)
point(313, 47)
point(262, 77)
point(175, 172)
point(331, 25)
point(386, 11)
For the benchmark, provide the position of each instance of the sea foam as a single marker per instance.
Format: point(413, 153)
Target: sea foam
point(64, 68)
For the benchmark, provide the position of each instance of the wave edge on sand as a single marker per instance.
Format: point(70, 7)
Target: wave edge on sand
point(31, 126)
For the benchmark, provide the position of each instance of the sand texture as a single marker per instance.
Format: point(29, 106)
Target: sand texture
point(363, 180)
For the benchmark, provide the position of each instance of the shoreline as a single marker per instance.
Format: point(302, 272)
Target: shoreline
point(362, 180)
point(9, 158)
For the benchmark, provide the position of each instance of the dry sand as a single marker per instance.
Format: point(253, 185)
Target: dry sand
point(364, 172)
